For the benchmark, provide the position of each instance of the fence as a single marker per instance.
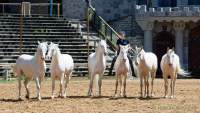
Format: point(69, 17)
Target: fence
point(101, 26)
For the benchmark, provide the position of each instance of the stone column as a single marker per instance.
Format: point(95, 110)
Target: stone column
point(148, 38)
point(186, 48)
point(179, 28)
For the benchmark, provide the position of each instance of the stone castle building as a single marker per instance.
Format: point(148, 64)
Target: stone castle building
point(172, 23)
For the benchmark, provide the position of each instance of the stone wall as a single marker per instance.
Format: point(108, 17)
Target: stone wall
point(108, 9)
point(34, 9)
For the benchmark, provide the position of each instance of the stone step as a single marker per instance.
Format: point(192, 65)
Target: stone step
point(38, 27)
point(37, 30)
point(40, 37)
point(35, 20)
point(16, 42)
point(71, 34)
point(17, 33)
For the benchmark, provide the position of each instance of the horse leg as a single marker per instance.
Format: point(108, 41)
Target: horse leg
point(124, 84)
point(147, 85)
point(61, 84)
point(26, 86)
point(53, 87)
point(166, 85)
point(91, 85)
point(116, 85)
point(66, 83)
point(173, 79)
point(153, 75)
point(120, 85)
point(38, 88)
point(19, 86)
point(141, 86)
point(100, 84)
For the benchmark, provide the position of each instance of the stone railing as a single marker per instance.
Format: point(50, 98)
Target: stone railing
point(142, 11)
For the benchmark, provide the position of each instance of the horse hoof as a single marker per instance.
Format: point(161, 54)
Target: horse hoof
point(52, 97)
point(20, 99)
point(171, 97)
point(39, 98)
point(115, 96)
point(89, 94)
point(27, 96)
point(148, 96)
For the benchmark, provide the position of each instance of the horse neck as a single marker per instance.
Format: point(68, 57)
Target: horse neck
point(38, 57)
point(55, 57)
point(120, 58)
point(143, 60)
point(99, 55)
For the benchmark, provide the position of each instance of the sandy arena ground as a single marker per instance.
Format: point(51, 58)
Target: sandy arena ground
point(187, 98)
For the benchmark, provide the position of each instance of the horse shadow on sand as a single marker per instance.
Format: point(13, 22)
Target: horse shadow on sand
point(80, 97)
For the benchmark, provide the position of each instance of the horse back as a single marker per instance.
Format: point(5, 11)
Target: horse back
point(66, 62)
point(151, 60)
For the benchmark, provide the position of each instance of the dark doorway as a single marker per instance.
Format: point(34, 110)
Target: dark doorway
point(194, 52)
point(161, 41)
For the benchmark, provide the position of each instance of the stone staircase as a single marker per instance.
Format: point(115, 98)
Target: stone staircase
point(51, 29)
point(70, 34)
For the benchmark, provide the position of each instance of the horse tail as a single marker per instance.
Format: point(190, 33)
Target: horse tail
point(182, 72)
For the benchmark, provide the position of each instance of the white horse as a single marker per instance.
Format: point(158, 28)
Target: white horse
point(31, 67)
point(170, 66)
point(96, 66)
point(147, 64)
point(61, 68)
point(121, 70)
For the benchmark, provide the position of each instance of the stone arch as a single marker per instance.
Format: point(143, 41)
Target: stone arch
point(161, 41)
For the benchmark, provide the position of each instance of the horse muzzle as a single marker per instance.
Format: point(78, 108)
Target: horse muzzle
point(136, 63)
point(48, 58)
point(124, 60)
point(43, 59)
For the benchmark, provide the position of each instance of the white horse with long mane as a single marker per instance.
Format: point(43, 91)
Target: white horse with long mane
point(61, 68)
point(121, 70)
point(96, 66)
point(170, 66)
point(147, 64)
point(31, 67)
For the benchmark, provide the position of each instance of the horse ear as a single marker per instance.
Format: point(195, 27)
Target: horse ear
point(136, 47)
point(38, 42)
point(168, 48)
point(173, 49)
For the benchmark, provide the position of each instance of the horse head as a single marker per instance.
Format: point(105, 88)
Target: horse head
point(102, 47)
point(42, 49)
point(51, 50)
point(170, 56)
point(139, 55)
point(123, 52)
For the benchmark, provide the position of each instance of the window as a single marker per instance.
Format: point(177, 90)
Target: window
point(167, 3)
point(193, 2)
point(141, 2)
